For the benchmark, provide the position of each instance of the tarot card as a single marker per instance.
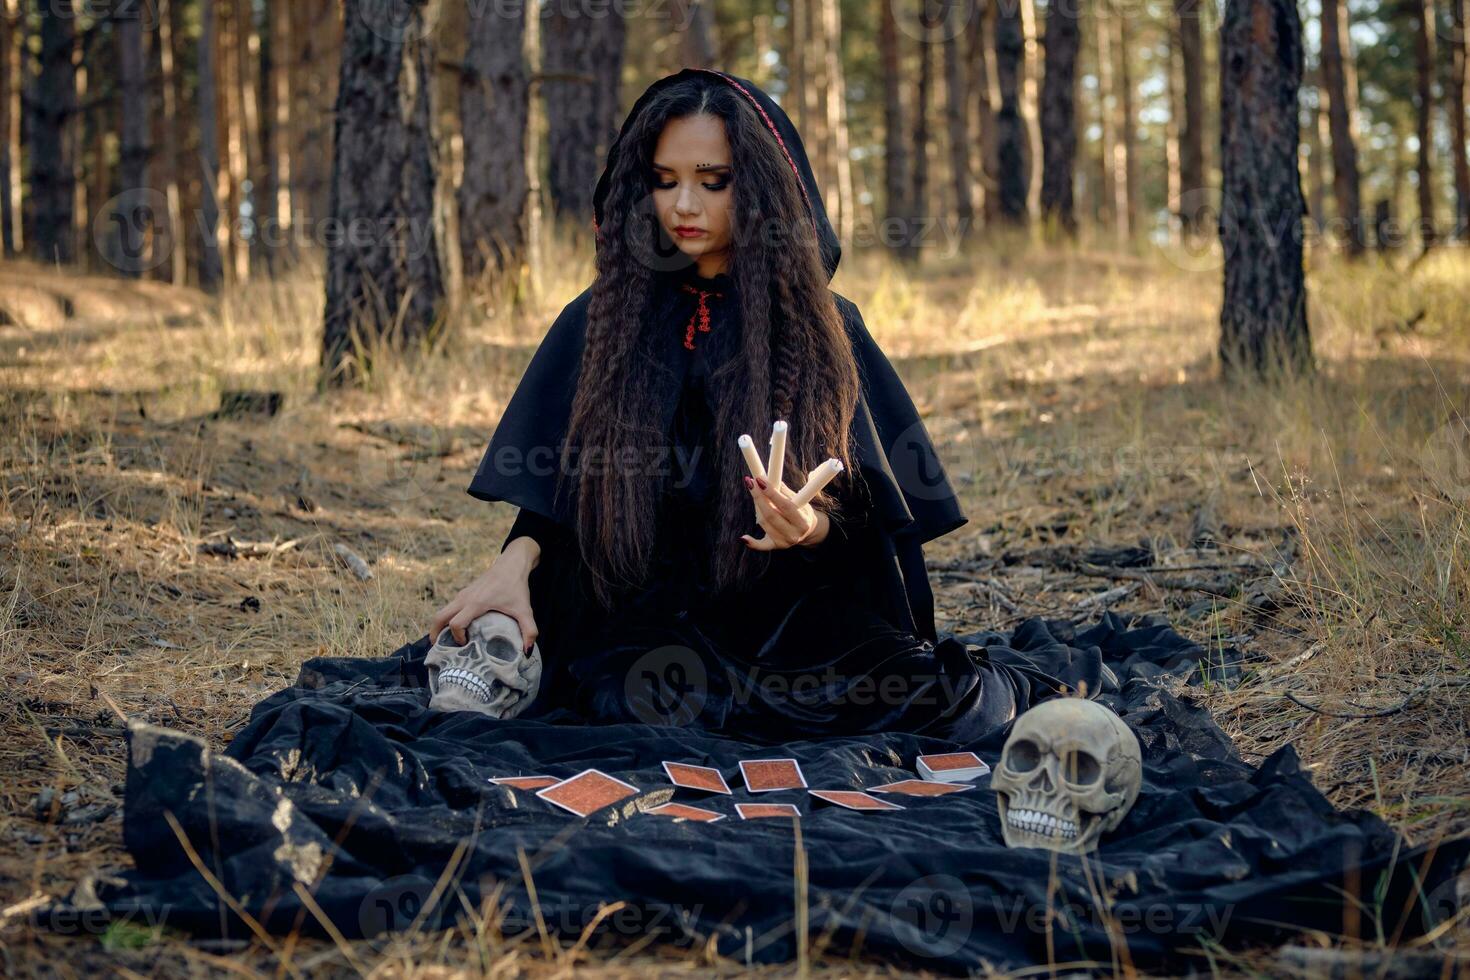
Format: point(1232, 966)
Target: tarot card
point(920, 787)
point(587, 792)
point(696, 777)
point(952, 767)
point(754, 811)
point(854, 800)
point(687, 812)
point(525, 782)
point(765, 775)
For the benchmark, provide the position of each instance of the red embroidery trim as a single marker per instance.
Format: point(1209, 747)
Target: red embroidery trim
point(700, 318)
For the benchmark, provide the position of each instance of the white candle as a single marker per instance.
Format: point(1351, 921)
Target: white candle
point(752, 458)
point(820, 477)
point(776, 462)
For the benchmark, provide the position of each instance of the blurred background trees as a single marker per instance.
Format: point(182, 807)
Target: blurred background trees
point(411, 150)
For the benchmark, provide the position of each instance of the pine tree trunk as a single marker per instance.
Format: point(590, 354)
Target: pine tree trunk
point(957, 120)
point(575, 114)
point(842, 201)
point(171, 101)
point(211, 262)
point(134, 215)
point(1112, 176)
point(1010, 123)
point(494, 102)
point(1340, 82)
point(1171, 133)
point(52, 104)
point(895, 142)
point(1127, 127)
point(1459, 137)
point(1192, 196)
point(986, 99)
point(1059, 114)
point(8, 159)
point(1263, 319)
point(1421, 13)
point(316, 37)
point(384, 277)
point(697, 47)
point(919, 193)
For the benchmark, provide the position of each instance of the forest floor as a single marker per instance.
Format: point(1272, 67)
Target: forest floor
point(178, 563)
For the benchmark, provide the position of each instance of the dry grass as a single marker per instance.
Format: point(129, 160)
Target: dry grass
point(1077, 402)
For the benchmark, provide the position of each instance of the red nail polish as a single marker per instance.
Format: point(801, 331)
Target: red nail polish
point(749, 483)
point(761, 482)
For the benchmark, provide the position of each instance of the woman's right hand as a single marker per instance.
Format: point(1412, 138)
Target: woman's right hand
point(504, 587)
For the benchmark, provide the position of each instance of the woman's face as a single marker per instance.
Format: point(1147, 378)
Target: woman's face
point(691, 189)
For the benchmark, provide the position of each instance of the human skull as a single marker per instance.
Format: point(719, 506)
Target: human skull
point(488, 674)
point(1069, 772)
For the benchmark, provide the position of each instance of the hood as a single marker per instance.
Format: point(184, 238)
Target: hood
point(781, 128)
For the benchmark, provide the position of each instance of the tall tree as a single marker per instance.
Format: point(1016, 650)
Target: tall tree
point(982, 83)
point(384, 171)
point(52, 104)
point(1459, 153)
point(1339, 81)
point(135, 217)
point(1111, 151)
point(957, 121)
point(1127, 127)
point(10, 53)
point(1263, 318)
point(919, 193)
point(171, 100)
point(581, 57)
point(1059, 113)
point(1421, 16)
point(895, 133)
point(1012, 153)
point(494, 106)
point(697, 47)
point(841, 200)
point(1192, 122)
point(211, 261)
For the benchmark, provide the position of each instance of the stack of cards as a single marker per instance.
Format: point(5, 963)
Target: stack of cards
point(952, 767)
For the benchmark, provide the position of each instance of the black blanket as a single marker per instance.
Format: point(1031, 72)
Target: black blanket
point(346, 787)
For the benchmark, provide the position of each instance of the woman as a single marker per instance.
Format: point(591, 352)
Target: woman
point(637, 560)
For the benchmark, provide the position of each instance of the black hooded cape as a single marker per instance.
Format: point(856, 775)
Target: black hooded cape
point(911, 499)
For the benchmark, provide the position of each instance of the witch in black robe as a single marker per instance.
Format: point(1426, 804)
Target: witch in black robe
point(834, 638)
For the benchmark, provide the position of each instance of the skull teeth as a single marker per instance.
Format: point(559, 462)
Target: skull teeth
point(459, 677)
point(1044, 824)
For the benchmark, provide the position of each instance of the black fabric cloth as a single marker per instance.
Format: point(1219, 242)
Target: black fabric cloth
point(906, 494)
point(345, 788)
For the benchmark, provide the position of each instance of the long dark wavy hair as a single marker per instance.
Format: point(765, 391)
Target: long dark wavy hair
point(792, 358)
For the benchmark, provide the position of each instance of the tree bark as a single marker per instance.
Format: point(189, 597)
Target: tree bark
point(895, 132)
point(384, 278)
point(1457, 105)
point(1263, 319)
point(1339, 80)
point(1421, 13)
point(1012, 156)
point(697, 46)
point(1193, 189)
point(211, 262)
point(494, 105)
point(982, 83)
point(9, 158)
point(1127, 128)
point(133, 215)
point(52, 104)
point(842, 202)
point(580, 124)
point(957, 121)
point(919, 195)
point(1111, 153)
point(1059, 114)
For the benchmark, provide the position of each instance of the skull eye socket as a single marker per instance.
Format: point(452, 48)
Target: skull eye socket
point(1080, 768)
point(1023, 756)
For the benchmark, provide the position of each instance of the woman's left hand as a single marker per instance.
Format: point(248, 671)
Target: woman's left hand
point(786, 523)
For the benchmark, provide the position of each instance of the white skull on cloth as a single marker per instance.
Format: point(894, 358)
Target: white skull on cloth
point(488, 673)
point(1069, 772)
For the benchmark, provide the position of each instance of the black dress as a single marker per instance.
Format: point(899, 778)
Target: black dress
point(810, 650)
